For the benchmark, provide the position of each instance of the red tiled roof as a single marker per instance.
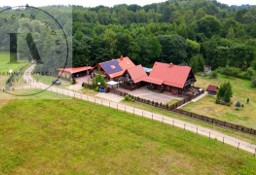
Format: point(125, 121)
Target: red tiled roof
point(170, 74)
point(212, 88)
point(153, 80)
point(125, 63)
point(137, 73)
point(75, 70)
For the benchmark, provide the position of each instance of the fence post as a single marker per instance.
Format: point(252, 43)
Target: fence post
point(223, 140)
point(173, 122)
point(197, 130)
point(125, 108)
point(238, 145)
point(141, 113)
point(209, 134)
point(162, 119)
point(255, 153)
point(152, 116)
point(109, 104)
point(184, 126)
point(133, 111)
point(117, 106)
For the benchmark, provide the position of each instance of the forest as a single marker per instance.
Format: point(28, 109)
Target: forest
point(193, 33)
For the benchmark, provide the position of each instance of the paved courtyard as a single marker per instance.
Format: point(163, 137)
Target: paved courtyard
point(110, 97)
point(85, 79)
point(150, 95)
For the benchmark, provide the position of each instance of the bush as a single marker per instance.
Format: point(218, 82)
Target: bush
point(224, 94)
point(73, 81)
point(97, 89)
point(217, 101)
point(128, 98)
point(237, 72)
point(213, 75)
point(254, 82)
point(99, 80)
point(229, 71)
point(238, 104)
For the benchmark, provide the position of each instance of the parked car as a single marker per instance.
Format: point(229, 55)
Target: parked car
point(56, 82)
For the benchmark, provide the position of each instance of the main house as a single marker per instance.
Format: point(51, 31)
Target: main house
point(171, 78)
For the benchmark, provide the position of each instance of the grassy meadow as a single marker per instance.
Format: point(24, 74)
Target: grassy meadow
point(241, 91)
point(5, 64)
point(76, 137)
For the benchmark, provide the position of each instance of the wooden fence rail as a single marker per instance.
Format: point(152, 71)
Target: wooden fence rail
point(174, 107)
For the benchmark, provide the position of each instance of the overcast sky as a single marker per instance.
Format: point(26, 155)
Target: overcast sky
point(93, 3)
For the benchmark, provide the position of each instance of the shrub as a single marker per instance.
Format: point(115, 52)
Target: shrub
point(213, 75)
point(217, 101)
point(73, 81)
point(224, 94)
point(128, 98)
point(98, 79)
point(254, 82)
point(238, 104)
point(97, 89)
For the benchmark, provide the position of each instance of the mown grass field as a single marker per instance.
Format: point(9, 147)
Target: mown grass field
point(48, 80)
point(241, 91)
point(246, 137)
point(5, 64)
point(76, 137)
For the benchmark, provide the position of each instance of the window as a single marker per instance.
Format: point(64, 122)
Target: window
point(112, 66)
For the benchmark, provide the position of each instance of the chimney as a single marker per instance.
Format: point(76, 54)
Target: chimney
point(170, 65)
point(121, 58)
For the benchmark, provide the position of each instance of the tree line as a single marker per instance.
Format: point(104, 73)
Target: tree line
point(195, 33)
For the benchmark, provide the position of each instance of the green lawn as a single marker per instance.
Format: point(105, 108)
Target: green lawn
point(173, 101)
point(240, 135)
point(48, 80)
point(5, 66)
point(76, 137)
point(241, 90)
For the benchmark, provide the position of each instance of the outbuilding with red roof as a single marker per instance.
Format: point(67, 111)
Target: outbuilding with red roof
point(212, 89)
point(68, 73)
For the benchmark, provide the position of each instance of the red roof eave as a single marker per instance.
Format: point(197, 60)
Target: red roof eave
point(75, 70)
